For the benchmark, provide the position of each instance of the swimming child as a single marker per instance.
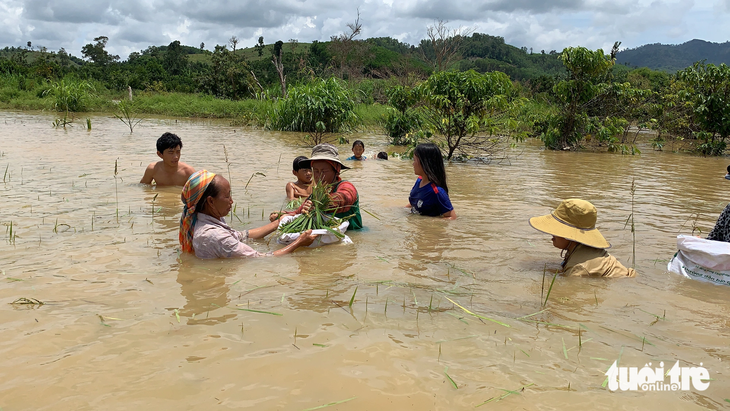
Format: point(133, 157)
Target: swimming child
point(573, 227)
point(358, 147)
point(382, 155)
point(430, 195)
point(303, 186)
point(170, 171)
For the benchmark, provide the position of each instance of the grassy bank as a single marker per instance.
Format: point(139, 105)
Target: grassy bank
point(15, 96)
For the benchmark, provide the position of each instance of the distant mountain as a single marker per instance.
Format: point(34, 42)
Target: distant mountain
point(670, 57)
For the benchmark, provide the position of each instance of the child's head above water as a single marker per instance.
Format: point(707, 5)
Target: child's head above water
point(299, 169)
point(296, 166)
point(358, 147)
point(167, 141)
point(383, 155)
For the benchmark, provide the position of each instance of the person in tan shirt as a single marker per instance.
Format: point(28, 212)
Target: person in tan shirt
point(170, 171)
point(573, 227)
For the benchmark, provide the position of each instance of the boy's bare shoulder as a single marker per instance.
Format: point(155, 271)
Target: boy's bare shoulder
point(150, 171)
point(185, 168)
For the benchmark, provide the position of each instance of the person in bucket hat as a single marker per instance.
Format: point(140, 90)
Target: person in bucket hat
point(326, 166)
point(573, 227)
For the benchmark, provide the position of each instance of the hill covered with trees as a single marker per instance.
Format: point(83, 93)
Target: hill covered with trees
point(671, 57)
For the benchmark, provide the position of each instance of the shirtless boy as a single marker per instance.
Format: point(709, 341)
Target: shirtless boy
point(170, 171)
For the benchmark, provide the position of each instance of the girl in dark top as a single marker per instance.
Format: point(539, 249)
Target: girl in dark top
point(430, 195)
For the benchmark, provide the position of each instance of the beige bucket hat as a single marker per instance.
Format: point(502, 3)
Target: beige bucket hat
point(575, 220)
point(324, 151)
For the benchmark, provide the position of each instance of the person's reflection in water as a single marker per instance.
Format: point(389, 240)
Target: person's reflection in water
point(163, 209)
point(203, 284)
point(322, 275)
point(426, 240)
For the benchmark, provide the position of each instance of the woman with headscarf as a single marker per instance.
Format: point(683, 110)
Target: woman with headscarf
point(203, 230)
point(573, 227)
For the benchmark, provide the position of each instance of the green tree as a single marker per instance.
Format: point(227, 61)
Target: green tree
point(319, 107)
point(587, 73)
point(459, 104)
point(97, 53)
point(175, 60)
point(228, 77)
point(260, 46)
point(401, 118)
point(707, 90)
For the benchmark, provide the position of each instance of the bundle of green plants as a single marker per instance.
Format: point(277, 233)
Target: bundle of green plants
point(320, 215)
point(295, 203)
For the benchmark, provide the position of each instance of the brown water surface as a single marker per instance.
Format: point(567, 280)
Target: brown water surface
point(129, 324)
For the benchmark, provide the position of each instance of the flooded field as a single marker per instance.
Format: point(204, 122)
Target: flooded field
point(418, 313)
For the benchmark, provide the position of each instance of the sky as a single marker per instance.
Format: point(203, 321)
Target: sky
point(133, 25)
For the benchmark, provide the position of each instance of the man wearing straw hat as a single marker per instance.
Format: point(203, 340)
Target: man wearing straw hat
point(573, 227)
point(326, 166)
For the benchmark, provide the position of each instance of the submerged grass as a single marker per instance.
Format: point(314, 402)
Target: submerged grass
point(329, 404)
point(549, 290)
point(28, 301)
point(477, 315)
point(451, 380)
point(509, 392)
point(352, 300)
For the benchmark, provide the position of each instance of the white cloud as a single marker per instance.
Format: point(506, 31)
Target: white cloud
point(543, 25)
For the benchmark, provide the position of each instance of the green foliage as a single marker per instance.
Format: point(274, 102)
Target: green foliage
point(588, 74)
point(70, 95)
point(398, 125)
point(320, 215)
point(175, 59)
point(458, 104)
point(97, 53)
point(319, 107)
point(709, 146)
point(707, 90)
point(229, 77)
point(127, 114)
point(674, 57)
point(402, 119)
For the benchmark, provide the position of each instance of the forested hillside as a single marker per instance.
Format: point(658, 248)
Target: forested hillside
point(670, 57)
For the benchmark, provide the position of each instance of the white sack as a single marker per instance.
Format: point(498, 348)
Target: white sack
point(702, 259)
point(324, 237)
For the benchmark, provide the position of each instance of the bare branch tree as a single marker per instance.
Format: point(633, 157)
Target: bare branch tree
point(345, 48)
point(233, 41)
point(276, 58)
point(355, 28)
point(444, 42)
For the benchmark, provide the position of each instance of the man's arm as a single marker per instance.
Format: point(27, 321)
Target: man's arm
point(344, 197)
point(148, 174)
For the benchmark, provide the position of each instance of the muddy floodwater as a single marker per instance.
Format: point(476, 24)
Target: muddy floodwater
point(419, 313)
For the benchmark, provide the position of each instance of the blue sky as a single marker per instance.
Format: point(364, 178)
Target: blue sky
point(133, 25)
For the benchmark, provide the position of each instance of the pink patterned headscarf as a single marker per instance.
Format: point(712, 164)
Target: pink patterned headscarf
point(191, 194)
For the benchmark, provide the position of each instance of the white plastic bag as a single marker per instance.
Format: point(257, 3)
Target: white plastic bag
point(324, 237)
point(702, 259)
